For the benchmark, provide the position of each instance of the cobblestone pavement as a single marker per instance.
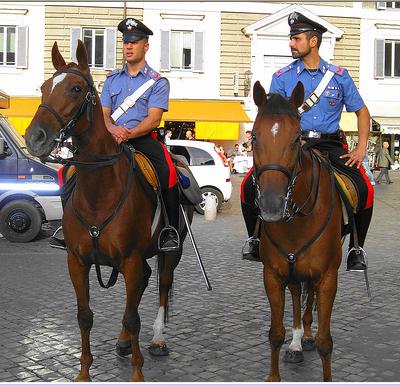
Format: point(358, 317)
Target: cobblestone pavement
point(221, 335)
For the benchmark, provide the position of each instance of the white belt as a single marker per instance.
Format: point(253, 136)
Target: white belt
point(131, 100)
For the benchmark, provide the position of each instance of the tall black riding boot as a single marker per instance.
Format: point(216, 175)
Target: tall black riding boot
point(250, 249)
point(356, 257)
point(169, 237)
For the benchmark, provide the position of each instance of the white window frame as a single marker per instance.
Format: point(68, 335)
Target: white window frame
point(93, 33)
point(392, 5)
point(192, 48)
point(393, 43)
point(109, 45)
point(5, 65)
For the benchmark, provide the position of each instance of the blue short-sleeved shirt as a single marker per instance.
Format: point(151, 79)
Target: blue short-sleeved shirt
point(120, 84)
point(341, 91)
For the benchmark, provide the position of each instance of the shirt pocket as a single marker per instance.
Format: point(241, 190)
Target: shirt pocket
point(332, 98)
point(115, 94)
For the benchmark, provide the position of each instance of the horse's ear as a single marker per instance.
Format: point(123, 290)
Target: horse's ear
point(297, 96)
point(259, 94)
point(58, 60)
point(81, 56)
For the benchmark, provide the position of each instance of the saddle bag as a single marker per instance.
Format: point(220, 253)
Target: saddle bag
point(187, 182)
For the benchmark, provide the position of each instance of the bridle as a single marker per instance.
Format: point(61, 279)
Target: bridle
point(87, 105)
point(290, 207)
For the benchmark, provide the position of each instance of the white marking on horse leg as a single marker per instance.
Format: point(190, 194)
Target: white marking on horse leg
point(295, 345)
point(275, 129)
point(58, 79)
point(158, 326)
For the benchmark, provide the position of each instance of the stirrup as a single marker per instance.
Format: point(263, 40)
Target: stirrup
point(250, 249)
point(164, 233)
point(364, 255)
point(56, 232)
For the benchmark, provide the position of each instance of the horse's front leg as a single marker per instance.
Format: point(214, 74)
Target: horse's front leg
point(133, 274)
point(167, 264)
point(123, 346)
point(276, 295)
point(308, 341)
point(294, 354)
point(79, 274)
point(326, 292)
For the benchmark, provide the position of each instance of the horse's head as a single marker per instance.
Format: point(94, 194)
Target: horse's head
point(65, 97)
point(276, 149)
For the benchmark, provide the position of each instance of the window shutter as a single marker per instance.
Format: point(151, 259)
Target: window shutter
point(76, 33)
point(22, 47)
point(381, 5)
point(198, 52)
point(379, 59)
point(111, 46)
point(164, 60)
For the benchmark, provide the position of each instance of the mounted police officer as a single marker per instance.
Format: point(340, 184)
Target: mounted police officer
point(137, 124)
point(320, 116)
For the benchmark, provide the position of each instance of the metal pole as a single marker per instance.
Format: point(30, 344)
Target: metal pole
point(195, 248)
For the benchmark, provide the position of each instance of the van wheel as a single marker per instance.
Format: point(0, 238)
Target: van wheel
point(20, 221)
point(205, 191)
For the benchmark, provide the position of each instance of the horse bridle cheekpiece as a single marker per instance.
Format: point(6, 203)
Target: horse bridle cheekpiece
point(290, 208)
point(87, 105)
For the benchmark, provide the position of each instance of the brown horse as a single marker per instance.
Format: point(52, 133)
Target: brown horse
point(300, 236)
point(109, 219)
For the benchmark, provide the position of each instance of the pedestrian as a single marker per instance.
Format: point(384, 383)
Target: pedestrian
point(320, 116)
point(247, 145)
point(189, 135)
point(384, 161)
point(137, 124)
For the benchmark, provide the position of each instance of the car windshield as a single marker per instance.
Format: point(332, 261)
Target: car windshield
point(194, 156)
point(17, 138)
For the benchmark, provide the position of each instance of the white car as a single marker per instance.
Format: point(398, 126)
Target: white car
point(207, 166)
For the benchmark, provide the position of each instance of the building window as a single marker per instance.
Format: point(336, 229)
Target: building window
point(181, 50)
point(393, 4)
point(392, 58)
point(94, 42)
point(7, 45)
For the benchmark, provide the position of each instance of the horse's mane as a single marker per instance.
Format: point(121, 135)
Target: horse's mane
point(277, 104)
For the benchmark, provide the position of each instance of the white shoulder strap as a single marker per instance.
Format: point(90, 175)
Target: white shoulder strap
point(131, 100)
point(314, 97)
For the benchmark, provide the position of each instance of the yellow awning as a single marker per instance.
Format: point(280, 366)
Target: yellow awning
point(4, 100)
point(205, 111)
point(348, 122)
point(21, 112)
point(217, 130)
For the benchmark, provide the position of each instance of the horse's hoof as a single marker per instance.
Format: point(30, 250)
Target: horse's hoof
point(81, 378)
point(123, 348)
point(158, 350)
point(308, 344)
point(293, 357)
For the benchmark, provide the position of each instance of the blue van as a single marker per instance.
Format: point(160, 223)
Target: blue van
point(29, 189)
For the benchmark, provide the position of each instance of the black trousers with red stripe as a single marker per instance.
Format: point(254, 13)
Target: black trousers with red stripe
point(158, 155)
point(333, 150)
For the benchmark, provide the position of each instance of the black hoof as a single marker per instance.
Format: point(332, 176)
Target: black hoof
point(123, 348)
point(158, 350)
point(308, 344)
point(293, 357)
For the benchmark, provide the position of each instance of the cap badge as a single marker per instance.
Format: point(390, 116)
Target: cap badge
point(131, 23)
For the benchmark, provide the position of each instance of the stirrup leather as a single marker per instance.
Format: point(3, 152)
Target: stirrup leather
point(162, 234)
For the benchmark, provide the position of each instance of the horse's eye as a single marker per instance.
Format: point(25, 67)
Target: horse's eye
point(76, 89)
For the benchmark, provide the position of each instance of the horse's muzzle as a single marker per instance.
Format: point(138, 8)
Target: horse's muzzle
point(39, 141)
point(272, 206)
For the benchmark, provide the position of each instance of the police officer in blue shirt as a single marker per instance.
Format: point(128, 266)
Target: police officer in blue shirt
point(138, 123)
point(320, 124)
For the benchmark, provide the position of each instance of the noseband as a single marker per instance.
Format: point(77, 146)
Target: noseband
point(290, 208)
point(87, 104)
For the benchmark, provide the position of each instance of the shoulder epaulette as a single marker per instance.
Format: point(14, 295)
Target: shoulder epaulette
point(336, 69)
point(154, 75)
point(283, 70)
point(113, 72)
